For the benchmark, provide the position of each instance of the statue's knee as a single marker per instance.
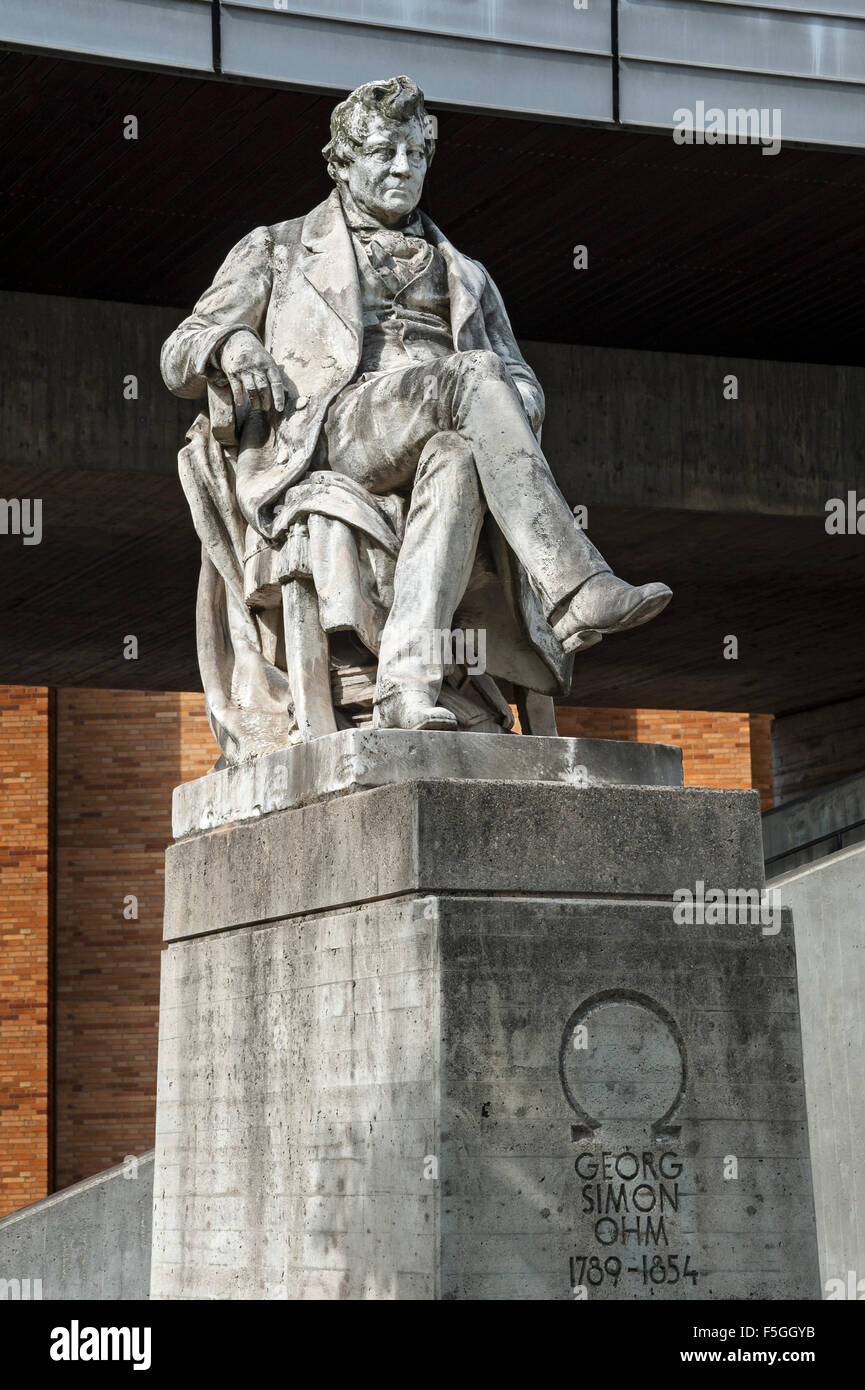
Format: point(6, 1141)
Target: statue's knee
point(448, 455)
point(482, 364)
point(446, 450)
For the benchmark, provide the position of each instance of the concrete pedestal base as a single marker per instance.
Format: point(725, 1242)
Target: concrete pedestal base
point(445, 1039)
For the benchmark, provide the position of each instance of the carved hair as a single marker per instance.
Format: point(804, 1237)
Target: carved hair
point(394, 99)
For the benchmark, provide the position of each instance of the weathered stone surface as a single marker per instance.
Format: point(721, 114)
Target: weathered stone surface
point(458, 836)
point(369, 1104)
point(368, 1083)
point(822, 817)
point(355, 759)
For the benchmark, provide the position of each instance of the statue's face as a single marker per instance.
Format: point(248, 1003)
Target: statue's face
point(386, 176)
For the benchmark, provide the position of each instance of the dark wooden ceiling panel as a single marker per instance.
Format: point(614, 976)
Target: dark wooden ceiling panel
point(712, 249)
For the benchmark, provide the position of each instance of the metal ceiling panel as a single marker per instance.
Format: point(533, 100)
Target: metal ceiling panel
point(743, 39)
point(540, 24)
point(844, 9)
point(822, 113)
point(165, 33)
point(331, 54)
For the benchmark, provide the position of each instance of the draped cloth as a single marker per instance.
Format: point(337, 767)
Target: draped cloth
point(350, 543)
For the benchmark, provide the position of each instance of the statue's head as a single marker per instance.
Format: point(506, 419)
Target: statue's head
point(381, 146)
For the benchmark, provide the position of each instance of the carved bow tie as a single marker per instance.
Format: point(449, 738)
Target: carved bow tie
point(396, 256)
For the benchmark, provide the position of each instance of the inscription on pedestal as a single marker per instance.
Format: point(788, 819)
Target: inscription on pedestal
point(623, 1071)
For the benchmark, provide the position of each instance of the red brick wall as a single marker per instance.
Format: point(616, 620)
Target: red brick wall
point(761, 759)
point(120, 753)
point(26, 837)
point(716, 748)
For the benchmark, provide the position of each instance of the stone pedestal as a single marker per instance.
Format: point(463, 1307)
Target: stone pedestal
point(445, 1038)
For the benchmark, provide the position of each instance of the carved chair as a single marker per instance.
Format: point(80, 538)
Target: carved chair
point(332, 679)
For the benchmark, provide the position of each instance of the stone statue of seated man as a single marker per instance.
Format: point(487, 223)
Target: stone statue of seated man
point(370, 476)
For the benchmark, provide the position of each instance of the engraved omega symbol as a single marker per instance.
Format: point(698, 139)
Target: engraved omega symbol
point(622, 1059)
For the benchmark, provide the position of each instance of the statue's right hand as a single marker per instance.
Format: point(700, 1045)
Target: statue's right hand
point(252, 372)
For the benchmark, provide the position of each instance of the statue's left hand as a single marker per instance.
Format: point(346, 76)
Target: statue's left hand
point(251, 371)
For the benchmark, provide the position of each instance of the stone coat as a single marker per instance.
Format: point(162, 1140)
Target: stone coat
point(296, 285)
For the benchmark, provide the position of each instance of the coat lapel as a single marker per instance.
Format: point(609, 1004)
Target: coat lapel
point(465, 281)
point(329, 265)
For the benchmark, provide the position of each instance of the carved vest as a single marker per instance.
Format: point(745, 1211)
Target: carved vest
point(409, 327)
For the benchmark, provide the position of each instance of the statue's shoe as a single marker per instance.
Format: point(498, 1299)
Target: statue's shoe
point(607, 604)
point(408, 710)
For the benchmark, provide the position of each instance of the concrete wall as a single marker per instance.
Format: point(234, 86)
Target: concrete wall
point(808, 817)
point(652, 429)
point(377, 1101)
point(91, 1241)
point(624, 428)
point(828, 916)
point(815, 748)
point(62, 369)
